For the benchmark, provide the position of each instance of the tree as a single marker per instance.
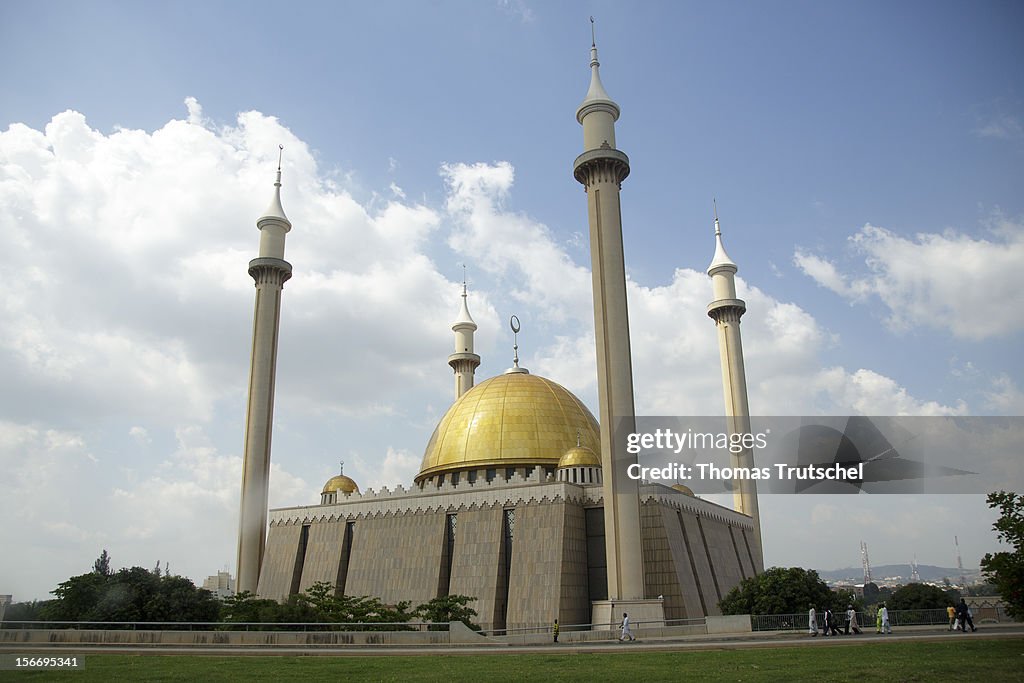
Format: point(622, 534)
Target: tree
point(449, 608)
point(1006, 569)
point(922, 596)
point(102, 564)
point(780, 590)
point(134, 594)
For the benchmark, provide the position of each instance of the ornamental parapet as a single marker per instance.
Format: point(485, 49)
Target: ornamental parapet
point(727, 310)
point(664, 495)
point(603, 164)
point(270, 270)
point(535, 489)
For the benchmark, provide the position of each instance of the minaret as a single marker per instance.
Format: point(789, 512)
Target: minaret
point(601, 169)
point(270, 271)
point(464, 362)
point(726, 311)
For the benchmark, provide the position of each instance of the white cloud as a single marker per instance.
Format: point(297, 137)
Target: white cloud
point(1005, 397)
point(970, 286)
point(127, 304)
point(1002, 126)
point(518, 8)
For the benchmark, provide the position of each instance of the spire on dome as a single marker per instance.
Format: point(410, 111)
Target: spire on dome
point(721, 259)
point(596, 95)
point(464, 319)
point(275, 210)
point(513, 322)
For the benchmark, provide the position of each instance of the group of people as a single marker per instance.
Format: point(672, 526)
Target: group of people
point(830, 626)
point(960, 617)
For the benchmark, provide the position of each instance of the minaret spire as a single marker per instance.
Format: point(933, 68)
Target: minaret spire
point(601, 168)
point(464, 362)
point(269, 271)
point(726, 310)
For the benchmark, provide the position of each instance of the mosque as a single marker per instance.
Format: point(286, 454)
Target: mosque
point(521, 501)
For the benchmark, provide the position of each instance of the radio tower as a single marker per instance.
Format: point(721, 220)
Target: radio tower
point(865, 562)
point(960, 562)
point(915, 576)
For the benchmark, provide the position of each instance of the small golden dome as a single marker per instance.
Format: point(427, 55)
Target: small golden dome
point(340, 483)
point(683, 489)
point(580, 456)
point(512, 420)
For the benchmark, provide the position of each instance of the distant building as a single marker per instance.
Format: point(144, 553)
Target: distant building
point(220, 584)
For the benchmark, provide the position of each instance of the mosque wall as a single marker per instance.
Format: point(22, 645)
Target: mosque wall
point(397, 557)
point(722, 554)
point(323, 553)
point(707, 581)
point(742, 552)
point(519, 547)
point(574, 602)
point(279, 557)
point(477, 563)
point(660, 564)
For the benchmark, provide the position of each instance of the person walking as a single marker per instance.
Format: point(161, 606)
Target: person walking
point(963, 614)
point(812, 622)
point(851, 620)
point(883, 613)
point(951, 613)
point(625, 628)
point(554, 630)
point(878, 620)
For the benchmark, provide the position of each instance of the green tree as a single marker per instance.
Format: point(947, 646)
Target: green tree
point(76, 598)
point(1006, 569)
point(448, 608)
point(779, 590)
point(921, 596)
point(178, 599)
point(102, 564)
point(134, 594)
point(27, 611)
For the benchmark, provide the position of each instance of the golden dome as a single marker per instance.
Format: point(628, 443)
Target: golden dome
point(340, 483)
point(512, 420)
point(580, 456)
point(683, 489)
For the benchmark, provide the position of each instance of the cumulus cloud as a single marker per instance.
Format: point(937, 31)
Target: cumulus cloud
point(674, 343)
point(970, 286)
point(127, 304)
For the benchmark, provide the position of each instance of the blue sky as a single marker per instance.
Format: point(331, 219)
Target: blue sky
point(867, 159)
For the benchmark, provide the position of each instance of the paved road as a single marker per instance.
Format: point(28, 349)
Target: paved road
point(754, 640)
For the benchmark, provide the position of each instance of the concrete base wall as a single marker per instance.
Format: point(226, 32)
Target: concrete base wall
point(458, 634)
point(737, 623)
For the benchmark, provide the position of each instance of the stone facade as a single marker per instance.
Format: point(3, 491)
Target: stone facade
point(526, 549)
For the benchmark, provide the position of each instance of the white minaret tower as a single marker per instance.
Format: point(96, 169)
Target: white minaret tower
point(726, 311)
point(464, 362)
point(270, 271)
point(601, 169)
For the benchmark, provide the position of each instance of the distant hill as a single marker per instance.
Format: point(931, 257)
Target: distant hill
point(886, 571)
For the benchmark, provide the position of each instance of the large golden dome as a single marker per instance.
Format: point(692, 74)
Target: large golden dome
point(512, 420)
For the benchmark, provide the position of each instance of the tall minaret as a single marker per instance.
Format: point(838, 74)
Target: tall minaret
point(464, 362)
point(270, 271)
point(726, 311)
point(601, 169)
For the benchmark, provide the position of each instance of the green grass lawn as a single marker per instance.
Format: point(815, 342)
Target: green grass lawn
point(957, 659)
